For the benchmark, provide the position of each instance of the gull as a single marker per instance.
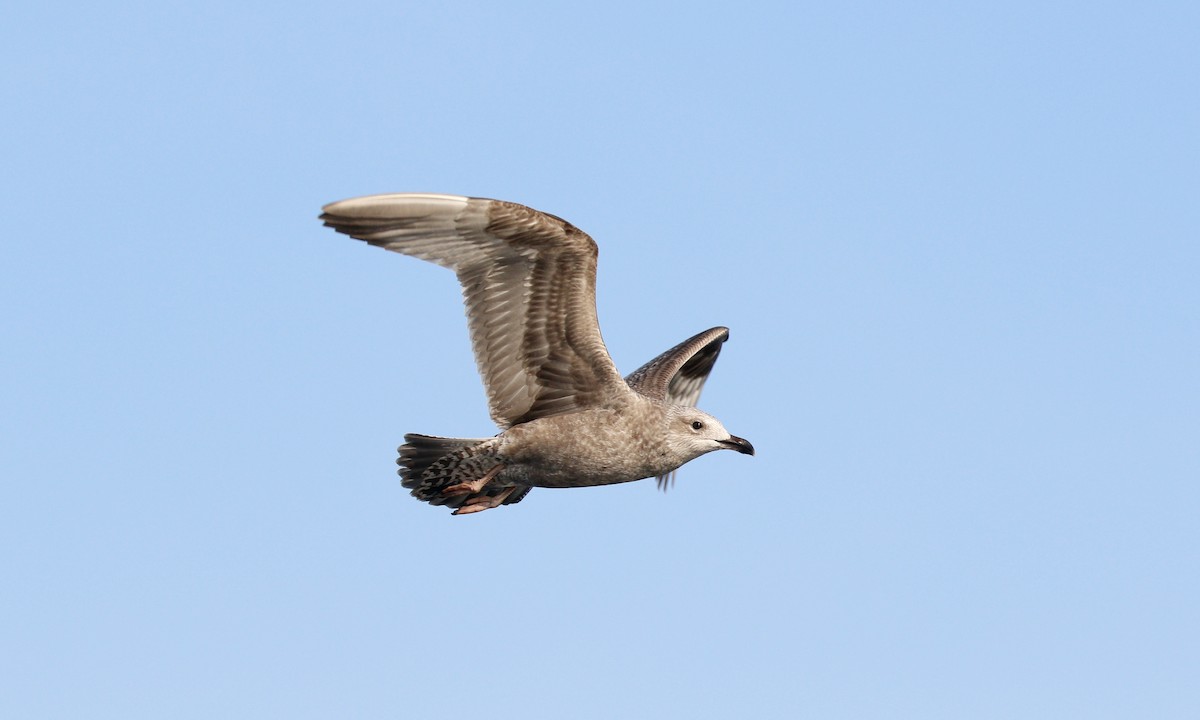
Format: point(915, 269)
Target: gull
point(567, 417)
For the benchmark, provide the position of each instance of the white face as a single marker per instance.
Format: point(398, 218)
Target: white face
point(694, 432)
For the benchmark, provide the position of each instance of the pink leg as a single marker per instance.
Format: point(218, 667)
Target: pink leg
point(484, 502)
point(468, 488)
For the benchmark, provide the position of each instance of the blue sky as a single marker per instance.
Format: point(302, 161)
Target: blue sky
point(956, 245)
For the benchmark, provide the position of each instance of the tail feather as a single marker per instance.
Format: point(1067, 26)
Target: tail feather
point(430, 464)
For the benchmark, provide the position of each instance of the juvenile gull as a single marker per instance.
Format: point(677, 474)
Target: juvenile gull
point(567, 417)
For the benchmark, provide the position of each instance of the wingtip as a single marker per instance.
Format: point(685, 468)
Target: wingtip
point(718, 333)
point(392, 205)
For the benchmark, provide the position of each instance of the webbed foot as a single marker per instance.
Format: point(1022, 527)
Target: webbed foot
point(480, 503)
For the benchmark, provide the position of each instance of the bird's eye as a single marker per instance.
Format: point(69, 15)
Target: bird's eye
point(696, 425)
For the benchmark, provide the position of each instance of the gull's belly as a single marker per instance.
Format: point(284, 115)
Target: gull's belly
point(595, 447)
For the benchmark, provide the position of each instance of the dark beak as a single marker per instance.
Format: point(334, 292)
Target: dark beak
point(741, 445)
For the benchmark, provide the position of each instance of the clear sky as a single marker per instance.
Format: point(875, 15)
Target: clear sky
point(958, 246)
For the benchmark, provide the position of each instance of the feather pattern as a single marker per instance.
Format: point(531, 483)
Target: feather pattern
point(677, 375)
point(529, 283)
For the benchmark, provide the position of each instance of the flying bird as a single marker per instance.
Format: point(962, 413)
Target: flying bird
point(567, 417)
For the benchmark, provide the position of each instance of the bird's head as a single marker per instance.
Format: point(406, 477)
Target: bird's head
point(692, 433)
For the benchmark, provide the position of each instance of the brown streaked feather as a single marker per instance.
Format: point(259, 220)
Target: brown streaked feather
point(529, 283)
point(677, 376)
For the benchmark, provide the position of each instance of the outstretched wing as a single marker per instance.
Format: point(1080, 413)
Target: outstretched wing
point(677, 376)
point(529, 282)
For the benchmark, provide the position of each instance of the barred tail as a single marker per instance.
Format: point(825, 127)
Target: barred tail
point(429, 465)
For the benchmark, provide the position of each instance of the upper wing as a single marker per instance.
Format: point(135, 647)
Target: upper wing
point(529, 283)
point(677, 376)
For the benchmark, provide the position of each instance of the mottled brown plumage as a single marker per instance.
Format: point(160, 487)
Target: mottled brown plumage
point(568, 418)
